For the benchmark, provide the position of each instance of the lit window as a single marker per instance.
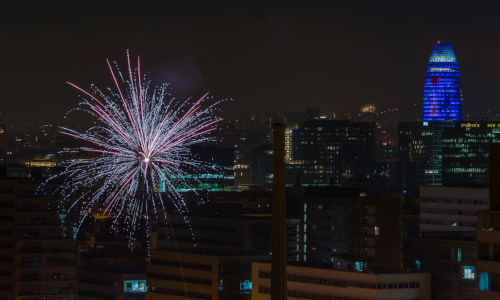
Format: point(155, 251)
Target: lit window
point(468, 272)
point(246, 286)
point(359, 266)
point(135, 286)
point(484, 281)
point(417, 264)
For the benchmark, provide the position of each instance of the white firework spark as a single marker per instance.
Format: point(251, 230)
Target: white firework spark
point(140, 142)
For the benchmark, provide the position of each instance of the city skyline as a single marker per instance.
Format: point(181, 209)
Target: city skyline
point(301, 151)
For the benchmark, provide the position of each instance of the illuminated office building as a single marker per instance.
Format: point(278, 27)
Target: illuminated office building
point(216, 176)
point(420, 153)
point(465, 152)
point(332, 153)
point(445, 153)
point(443, 89)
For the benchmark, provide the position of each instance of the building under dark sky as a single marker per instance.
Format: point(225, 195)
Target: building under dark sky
point(443, 89)
point(273, 57)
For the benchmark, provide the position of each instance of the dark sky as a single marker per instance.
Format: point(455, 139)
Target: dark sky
point(280, 58)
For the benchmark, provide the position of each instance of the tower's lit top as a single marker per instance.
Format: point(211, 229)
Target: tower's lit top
point(442, 99)
point(442, 53)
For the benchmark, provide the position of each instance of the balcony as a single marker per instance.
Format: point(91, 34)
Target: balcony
point(488, 295)
point(488, 266)
point(484, 236)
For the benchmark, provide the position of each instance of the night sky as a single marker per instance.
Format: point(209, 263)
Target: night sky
point(281, 58)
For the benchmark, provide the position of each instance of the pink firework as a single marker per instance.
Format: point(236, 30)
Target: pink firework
point(141, 146)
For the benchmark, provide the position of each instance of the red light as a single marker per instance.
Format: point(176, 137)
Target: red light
point(439, 42)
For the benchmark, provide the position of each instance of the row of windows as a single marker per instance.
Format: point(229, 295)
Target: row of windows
point(179, 293)
point(309, 295)
point(344, 283)
point(306, 295)
point(184, 264)
point(6, 273)
point(181, 279)
point(98, 281)
point(95, 294)
point(447, 223)
point(6, 204)
point(454, 200)
point(448, 211)
point(209, 241)
point(206, 227)
point(6, 287)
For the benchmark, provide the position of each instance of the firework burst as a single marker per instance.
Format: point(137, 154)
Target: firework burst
point(139, 147)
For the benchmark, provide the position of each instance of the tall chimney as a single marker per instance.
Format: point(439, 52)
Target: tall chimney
point(278, 268)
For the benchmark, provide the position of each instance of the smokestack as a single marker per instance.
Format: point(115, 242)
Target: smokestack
point(494, 165)
point(278, 268)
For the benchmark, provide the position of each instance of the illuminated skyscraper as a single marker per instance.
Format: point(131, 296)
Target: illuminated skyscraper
point(443, 89)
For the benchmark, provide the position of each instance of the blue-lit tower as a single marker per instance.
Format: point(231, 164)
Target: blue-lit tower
point(443, 89)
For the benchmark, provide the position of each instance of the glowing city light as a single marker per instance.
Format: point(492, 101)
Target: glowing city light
point(443, 89)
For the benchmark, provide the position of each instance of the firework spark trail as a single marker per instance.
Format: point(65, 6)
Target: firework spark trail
point(140, 142)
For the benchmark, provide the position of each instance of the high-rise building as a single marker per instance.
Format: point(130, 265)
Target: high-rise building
point(348, 221)
point(451, 259)
point(332, 153)
point(208, 276)
point(111, 282)
point(445, 153)
point(443, 89)
point(465, 150)
point(325, 283)
point(488, 234)
point(216, 175)
point(420, 153)
point(38, 254)
point(232, 234)
point(262, 166)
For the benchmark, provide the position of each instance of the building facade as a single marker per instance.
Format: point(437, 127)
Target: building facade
point(465, 150)
point(38, 254)
point(451, 208)
point(443, 88)
point(421, 153)
point(180, 275)
point(237, 235)
point(111, 283)
point(348, 221)
point(451, 259)
point(488, 234)
point(308, 282)
point(332, 153)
